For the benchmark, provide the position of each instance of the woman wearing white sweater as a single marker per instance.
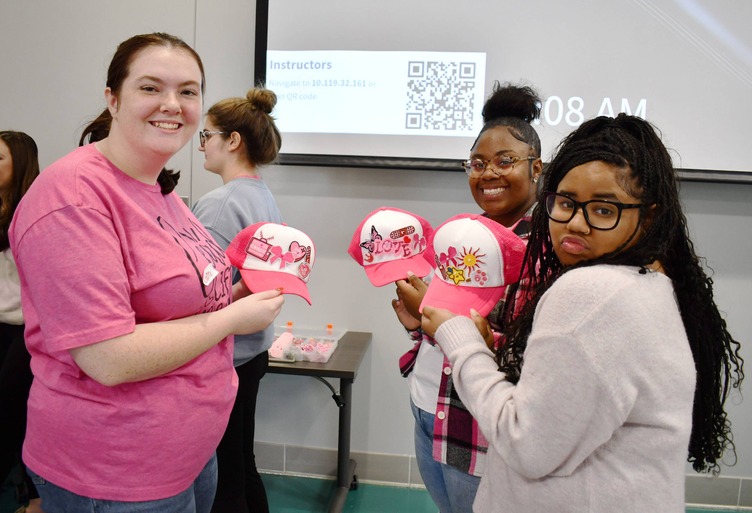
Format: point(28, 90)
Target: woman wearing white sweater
point(616, 361)
point(19, 167)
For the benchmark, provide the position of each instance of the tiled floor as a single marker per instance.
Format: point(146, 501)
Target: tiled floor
point(289, 494)
point(306, 495)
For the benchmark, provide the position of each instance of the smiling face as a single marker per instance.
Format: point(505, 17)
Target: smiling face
point(6, 168)
point(504, 198)
point(158, 107)
point(575, 241)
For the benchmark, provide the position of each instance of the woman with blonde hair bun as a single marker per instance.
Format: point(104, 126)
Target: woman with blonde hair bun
point(239, 137)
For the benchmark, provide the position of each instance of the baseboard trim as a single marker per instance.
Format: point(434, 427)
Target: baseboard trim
point(402, 470)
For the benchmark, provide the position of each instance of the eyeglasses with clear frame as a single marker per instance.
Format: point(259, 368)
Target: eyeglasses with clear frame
point(204, 135)
point(599, 214)
point(500, 165)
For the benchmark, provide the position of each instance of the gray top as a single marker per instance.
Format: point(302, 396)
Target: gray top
point(224, 212)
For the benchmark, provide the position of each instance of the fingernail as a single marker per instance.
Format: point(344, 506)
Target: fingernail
point(410, 274)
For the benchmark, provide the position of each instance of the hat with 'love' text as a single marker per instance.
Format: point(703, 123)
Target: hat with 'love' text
point(389, 242)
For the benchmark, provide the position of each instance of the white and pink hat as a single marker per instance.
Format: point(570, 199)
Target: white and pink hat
point(389, 242)
point(273, 256)
point(476, 258)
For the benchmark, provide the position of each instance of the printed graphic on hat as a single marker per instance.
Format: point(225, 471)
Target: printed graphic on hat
point(390, 243)
point(273, 256)
point(475, 258)
point(398, 245)
point(453, 268)
point(259, 247)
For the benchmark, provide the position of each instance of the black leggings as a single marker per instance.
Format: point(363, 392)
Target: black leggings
point(15, 382)
point(239, 486)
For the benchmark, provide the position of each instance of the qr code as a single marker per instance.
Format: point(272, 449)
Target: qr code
point(440, 95)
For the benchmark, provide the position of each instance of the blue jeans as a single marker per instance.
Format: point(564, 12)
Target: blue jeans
point(197, 498)
point(451, 489)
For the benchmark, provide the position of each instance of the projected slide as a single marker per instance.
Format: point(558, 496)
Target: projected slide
point(416, 93)
point(407, 79)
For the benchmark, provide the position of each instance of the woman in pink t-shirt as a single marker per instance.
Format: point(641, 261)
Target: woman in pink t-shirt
point(130, 311)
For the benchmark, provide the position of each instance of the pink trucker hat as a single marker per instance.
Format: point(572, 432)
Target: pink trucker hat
point(389, 242)
point(273, 256)
point(476, 258)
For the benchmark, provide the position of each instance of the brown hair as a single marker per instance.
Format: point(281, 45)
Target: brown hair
point(117, 73)
point(23, 151)
point(251, 118)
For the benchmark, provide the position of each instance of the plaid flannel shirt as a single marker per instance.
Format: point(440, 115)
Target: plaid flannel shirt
point(457, 440)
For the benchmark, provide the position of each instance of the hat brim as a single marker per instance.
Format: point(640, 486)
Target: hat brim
point(258, 281)
point(385, 273)
point(460, 300)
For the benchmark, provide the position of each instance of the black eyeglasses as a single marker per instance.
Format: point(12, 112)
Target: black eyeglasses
point(599, 214)
point(500, 165)
point(204, 135)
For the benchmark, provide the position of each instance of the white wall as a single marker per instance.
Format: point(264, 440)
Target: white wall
point(52, 71)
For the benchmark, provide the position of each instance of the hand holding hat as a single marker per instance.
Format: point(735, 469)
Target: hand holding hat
point(433, 318)
point(410, 293)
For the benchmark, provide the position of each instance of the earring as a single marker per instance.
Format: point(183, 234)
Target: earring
point(535, 179)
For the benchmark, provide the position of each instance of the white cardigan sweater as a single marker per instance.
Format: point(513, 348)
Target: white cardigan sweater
point(600, 419)
point(10, 290)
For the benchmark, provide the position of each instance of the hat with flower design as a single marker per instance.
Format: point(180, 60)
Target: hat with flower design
point(475, 259)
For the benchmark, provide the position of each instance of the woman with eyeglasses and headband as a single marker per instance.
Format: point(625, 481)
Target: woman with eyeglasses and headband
point(617, 367)
point(239, 137)
point(503, 171)
point(129, 304)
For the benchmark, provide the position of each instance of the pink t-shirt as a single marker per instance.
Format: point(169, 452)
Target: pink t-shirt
point(99, 252)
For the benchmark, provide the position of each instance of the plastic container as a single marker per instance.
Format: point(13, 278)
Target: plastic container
point(295, 343)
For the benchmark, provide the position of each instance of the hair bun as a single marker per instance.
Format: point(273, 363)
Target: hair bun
point(512, 101)
point(262, 99)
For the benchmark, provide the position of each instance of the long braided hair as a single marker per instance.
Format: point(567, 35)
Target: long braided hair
point(634, 145)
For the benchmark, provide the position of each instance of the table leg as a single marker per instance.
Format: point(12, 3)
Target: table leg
point(345, 466)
